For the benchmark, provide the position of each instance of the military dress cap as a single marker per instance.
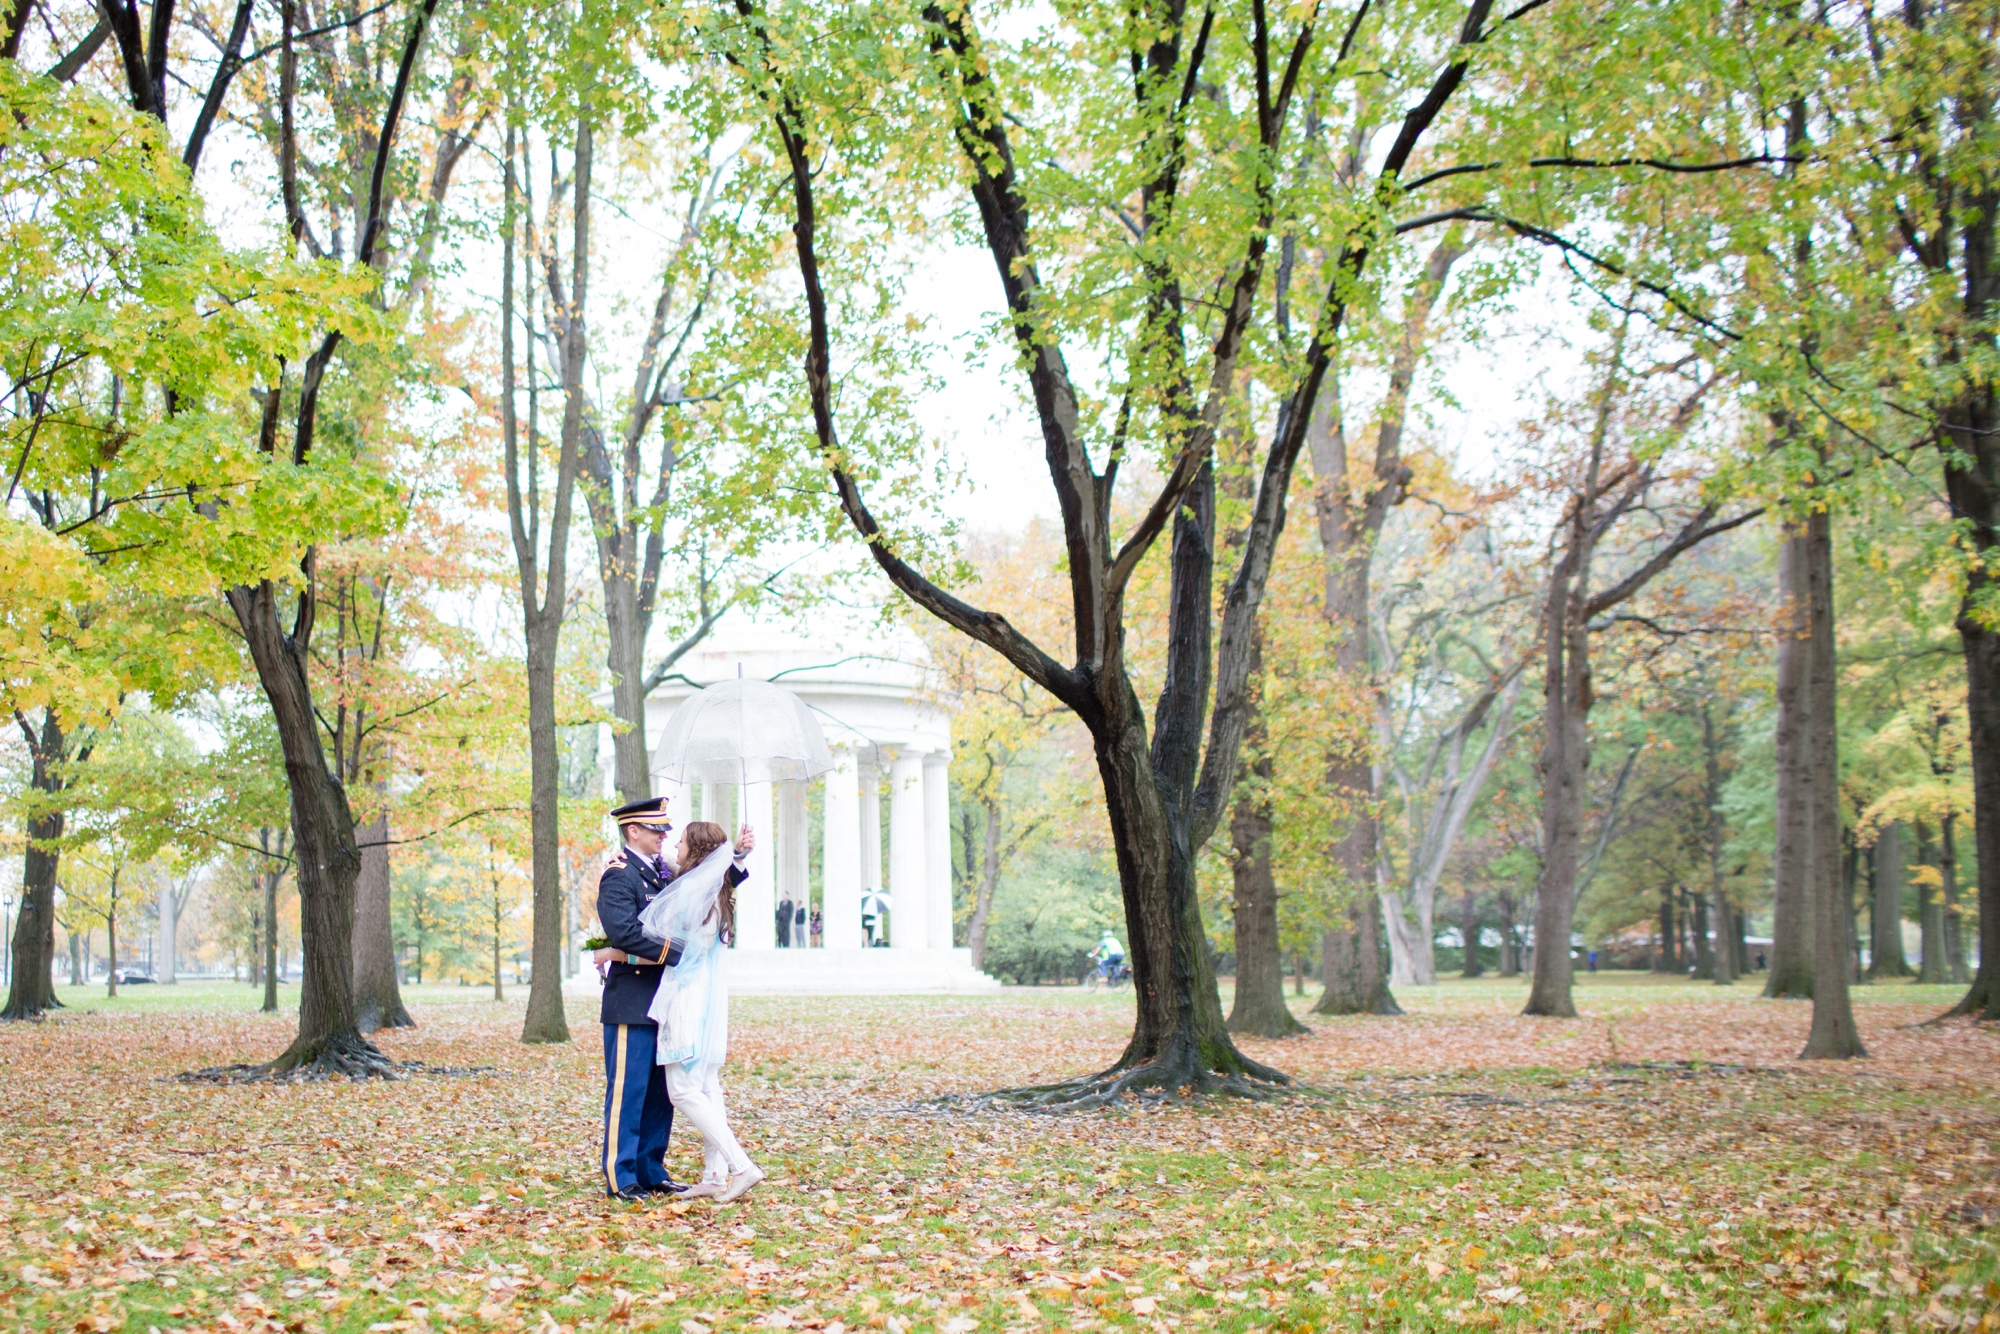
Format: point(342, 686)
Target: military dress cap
point(653, 810)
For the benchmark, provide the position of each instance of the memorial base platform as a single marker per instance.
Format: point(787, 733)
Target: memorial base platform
point(827, 972)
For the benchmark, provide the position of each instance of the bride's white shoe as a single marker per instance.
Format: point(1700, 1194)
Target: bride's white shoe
point(740, 1184)
point(703, 1190)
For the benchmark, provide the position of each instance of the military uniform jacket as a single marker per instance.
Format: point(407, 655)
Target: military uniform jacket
point(622, 894)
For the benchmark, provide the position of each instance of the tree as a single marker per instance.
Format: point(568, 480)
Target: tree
point(87, 318)
point(1623, 468)
point(258, 521)
point(544, 569)
point(1447, 676)
point(1172, 153)
point(1350, 526)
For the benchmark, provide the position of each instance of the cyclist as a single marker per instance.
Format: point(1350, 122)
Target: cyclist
point(1108, 955)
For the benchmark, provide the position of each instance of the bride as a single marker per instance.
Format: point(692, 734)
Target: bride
point(691, 1007)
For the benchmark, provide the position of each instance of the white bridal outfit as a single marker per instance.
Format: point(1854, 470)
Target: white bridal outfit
point(692, 1009)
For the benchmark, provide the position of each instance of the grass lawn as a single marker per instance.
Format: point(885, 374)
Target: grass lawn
point(1660, 1162)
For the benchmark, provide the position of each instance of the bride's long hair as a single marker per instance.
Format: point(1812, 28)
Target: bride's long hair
point(704, 837)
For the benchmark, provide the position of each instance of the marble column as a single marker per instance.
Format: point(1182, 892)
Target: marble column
point(869, 778)
point(718, 805)
point(794, 857)
point(840, 862)
point(937, 846)
point(909, 863)
point(756, 899)
point(680, 809)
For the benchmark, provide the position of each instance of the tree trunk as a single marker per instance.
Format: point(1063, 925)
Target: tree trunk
point(1954, 912)
point(1739, 932)
point(1833, 1035)
point(32, 991)
point(1468, 931)
point(323, 844)
point(1352, 979)
point(1667, 963)
point(1704, 952)
point(499, 993)
point(989, 880)
point(111, 942)
point(625, 650)
point(1725, 965)
point(1180, 1038)
point(1932, 967)
point(169, 910)
point(1791, 958)
point(1885, 905)
point(1259, 1006)
point(1350, 524)
point(1567, 699)
point(545, 1021)
point(378, 1002)
point(1850, 879)
point(1510, 955)
point(270, 1005)
point(1972, 481)
point(542, 607)
point(31, 988)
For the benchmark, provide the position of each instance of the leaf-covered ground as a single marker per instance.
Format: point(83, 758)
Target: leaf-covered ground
point(1659, 1163)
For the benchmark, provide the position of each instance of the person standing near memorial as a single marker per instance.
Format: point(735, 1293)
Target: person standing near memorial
point(638, 1113)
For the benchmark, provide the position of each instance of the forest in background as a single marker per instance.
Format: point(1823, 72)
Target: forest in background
point(394, 395)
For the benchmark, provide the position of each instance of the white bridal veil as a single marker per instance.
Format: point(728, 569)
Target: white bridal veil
point(692, 1005)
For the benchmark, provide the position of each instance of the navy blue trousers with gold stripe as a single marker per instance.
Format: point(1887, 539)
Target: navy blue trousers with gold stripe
point(638, 1115)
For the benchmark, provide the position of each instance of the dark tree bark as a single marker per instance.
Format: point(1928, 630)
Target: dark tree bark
point(1955, 188)
point(1791, 960)
point(1468, 931)
point(378, 1000)
point(31, 989)
point(1510, 955)
point(1355, 980)
point(1259, 1007)
point(1669, 961)
point(1704, 953)
point(1885, 905)
point(1833, 1035)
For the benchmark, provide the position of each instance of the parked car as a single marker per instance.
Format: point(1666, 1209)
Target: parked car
point(133, 979)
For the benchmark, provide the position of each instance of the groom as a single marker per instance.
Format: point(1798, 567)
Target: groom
point(637, 1114)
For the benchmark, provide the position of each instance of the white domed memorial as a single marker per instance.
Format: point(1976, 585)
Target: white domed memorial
point(879, 921)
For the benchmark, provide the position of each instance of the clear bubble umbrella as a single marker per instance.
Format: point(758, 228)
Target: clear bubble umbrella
point(741, 732)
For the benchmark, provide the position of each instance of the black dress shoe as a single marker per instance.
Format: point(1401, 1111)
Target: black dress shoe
point(666, 1188)
point(632, 1194)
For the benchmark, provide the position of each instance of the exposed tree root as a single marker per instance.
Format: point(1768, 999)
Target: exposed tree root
point(1171, 1079)
point(1975, 1004)
point(347, 1056)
